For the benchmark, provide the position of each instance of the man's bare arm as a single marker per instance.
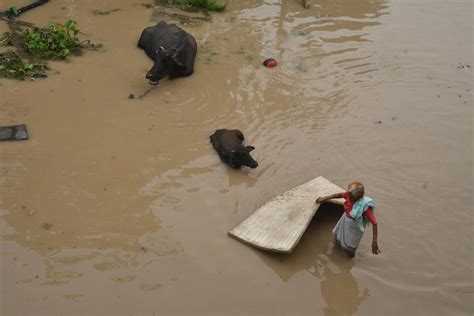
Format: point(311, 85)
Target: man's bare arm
point(323, 199)
point(375, 246)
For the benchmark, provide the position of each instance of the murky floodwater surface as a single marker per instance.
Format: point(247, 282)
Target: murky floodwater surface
point(119, 206)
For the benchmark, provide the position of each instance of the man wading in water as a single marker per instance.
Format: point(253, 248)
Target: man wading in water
point(358, 211)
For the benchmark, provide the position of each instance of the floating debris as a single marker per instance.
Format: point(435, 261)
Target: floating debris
point(16, 12)
point(270, 63)
point(299, 32)
point(195, 5)
point(172, 17)
point(39, 76)
point(100, 12)
point(463, 66)
point(6, 40)
point(11, 133)
point(146, 92)
point(13, 66)
point(46, 226)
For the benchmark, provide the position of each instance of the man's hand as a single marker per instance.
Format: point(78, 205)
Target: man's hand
point(320, 200)
point(375, 248)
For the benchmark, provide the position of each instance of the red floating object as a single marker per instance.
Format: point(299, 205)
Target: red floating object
point(270, 63)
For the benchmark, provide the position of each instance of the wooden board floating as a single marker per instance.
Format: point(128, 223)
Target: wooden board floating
point(10, 133)
point(279, 224)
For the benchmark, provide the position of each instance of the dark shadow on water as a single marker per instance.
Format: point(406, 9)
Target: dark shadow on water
point(317, 255)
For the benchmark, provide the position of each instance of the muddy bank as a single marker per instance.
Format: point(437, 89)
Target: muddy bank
point(120, 206)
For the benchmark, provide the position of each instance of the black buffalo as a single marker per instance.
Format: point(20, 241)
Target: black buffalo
point(172, 49)
point(228, 144)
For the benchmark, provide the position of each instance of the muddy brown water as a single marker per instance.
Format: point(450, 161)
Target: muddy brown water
point(121, 207)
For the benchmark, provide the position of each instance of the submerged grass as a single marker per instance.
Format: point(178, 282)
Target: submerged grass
point(13, 66)
point(6, 39)
point(196, 5)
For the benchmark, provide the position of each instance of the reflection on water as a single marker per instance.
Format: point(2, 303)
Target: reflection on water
point(341, 291)
point(317, 255)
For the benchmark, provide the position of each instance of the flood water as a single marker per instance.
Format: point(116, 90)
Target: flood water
point(119, 206)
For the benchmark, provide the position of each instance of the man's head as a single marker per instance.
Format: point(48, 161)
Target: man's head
point(356, 190)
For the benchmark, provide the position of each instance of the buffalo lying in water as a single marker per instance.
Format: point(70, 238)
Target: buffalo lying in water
point(228, 144)
point(171, 48)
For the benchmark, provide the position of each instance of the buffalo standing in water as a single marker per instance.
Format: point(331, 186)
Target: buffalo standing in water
point(172, 49)
point(228, 144)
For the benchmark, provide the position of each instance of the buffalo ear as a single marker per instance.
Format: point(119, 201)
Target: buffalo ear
point(174, 57)
point(174, 53)
point(250, 148)
point(159, 49)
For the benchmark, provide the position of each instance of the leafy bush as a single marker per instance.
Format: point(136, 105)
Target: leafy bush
point(55, 42)
point(37, 45)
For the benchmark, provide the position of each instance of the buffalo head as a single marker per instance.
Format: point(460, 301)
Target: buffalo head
point(241, 157)
point(165, 60)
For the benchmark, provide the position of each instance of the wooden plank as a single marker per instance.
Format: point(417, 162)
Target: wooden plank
point(10, 133)
point(279, 224)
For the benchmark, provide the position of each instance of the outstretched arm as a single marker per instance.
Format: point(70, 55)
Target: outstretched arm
point(323, 199)
point(369, 214)
point(375, 246)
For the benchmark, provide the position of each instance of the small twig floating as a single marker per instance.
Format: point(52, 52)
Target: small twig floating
point(146, 92)
point(100, 12)
point(22, 23)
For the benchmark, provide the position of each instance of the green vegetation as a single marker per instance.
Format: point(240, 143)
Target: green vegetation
point(12, 66)
point(6, 39)
point(196, 5)
point(36, 45)
point(55, 42)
